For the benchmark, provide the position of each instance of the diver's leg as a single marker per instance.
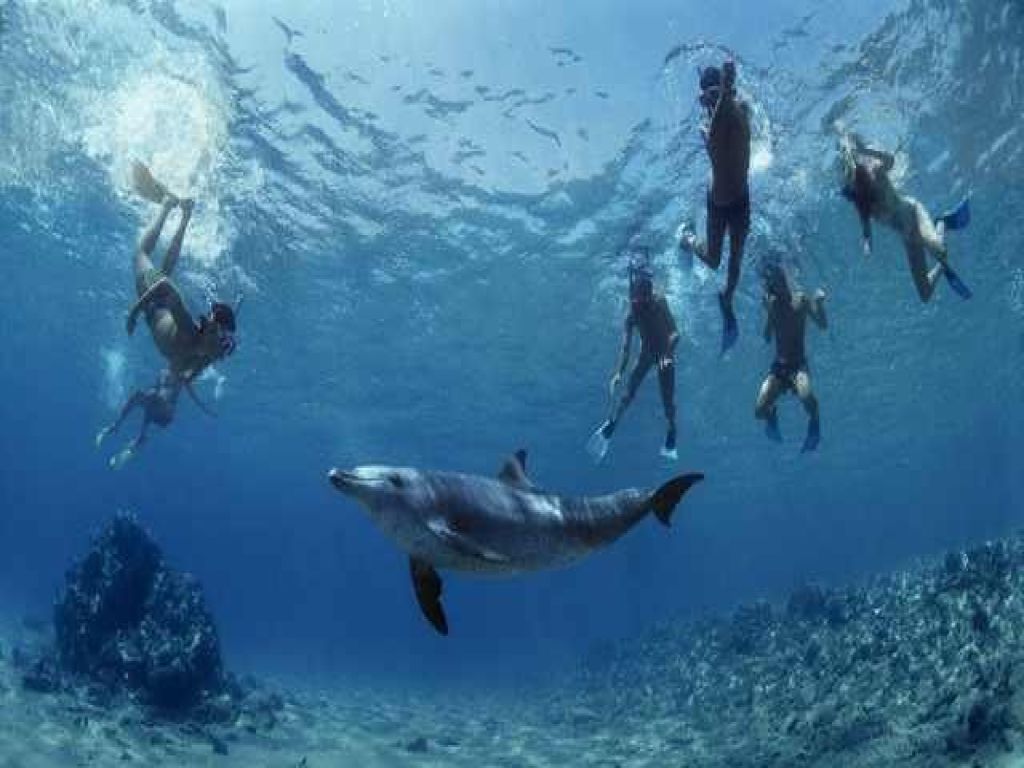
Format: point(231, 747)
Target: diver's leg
point(174, 249)
point(711, 254)
point(640, 369)
point(771, 389)
point(739, 228)
point(147, 243)
point(137, 399)
point(667, 385)
point(931, 235)
point(802, 385)
point(924, 280)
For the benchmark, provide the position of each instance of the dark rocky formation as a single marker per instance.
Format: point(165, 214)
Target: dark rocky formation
point(922, 668)
point(127, 622)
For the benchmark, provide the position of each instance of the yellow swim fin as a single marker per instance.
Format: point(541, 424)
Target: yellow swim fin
point(147, 186)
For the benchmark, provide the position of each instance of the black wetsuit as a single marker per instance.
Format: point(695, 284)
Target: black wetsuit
point(654, 322)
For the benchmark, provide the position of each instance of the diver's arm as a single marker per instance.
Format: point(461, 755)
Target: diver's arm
point(195, 399)
point(816, 309)
point(726, 98)
point(620, 367)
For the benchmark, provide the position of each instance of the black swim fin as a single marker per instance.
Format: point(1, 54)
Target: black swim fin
point(663, 502)
point(427, 583)
point(730, 329)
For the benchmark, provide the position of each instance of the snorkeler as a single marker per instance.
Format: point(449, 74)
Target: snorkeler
point(727, 139)
point(867, 185)
point(158, 404)
point(786, 318)
point(189, 347)
point(651, 317)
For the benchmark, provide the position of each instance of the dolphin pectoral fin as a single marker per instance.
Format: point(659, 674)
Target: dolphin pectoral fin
point(463, 544)
point(663, 501)
point(427, 584)
point(513, 471)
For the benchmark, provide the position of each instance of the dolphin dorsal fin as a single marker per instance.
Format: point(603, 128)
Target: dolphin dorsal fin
point(513, 471)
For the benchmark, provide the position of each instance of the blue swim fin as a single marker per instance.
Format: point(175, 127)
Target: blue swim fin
point(730, 331)
point(813, 436)
point(599, 442)
point(959, 217)
point(771, 427)
point(956, 283)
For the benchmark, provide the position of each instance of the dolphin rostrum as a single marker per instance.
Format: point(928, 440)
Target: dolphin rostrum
point(504, 526)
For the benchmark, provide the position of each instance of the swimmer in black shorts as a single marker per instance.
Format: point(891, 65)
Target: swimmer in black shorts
point(651, 319)
point(727, 138)
point(786, 320)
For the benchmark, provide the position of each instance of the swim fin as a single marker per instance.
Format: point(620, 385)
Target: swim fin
point(121, 458)
point(956, 283)
point(599, 442)
point(730, 330)
point(813, 436)
point(102, 435)
point(668, 450)
point(959, 217)
point(771, 427)
point(146, 185)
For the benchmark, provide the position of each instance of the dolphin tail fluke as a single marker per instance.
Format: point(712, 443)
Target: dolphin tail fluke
point(664, 500)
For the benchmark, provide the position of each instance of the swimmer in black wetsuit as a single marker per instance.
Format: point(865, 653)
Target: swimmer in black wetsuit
point(786, 320)
point(727, 139)
point(650, 316)
point(158, 404)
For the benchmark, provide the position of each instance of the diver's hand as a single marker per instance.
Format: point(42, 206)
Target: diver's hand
point(614, 383)
point(819, 295)
point(867, 248)
point(102, 435)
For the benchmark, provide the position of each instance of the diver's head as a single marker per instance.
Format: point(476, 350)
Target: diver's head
point(222, 319)
point(641, 285)
point(776, 284)
point(710, 86)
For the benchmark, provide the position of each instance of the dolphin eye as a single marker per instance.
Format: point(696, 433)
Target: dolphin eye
point(397, 481)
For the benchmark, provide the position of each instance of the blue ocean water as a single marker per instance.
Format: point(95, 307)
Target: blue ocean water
point(428, 209)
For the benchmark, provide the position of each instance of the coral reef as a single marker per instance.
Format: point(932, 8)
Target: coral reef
point(126, 621)
point(924, 667)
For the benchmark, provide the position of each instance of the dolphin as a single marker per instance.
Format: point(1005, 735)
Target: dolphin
point(493, 526)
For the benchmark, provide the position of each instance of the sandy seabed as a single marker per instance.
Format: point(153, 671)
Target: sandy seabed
point(921, 668)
